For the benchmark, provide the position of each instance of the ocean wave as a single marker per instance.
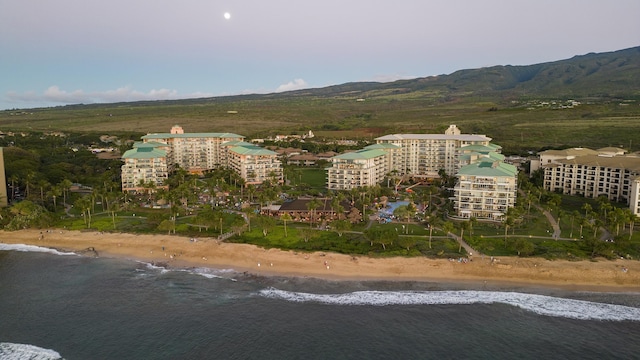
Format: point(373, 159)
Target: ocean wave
point(32, 248)
point(12, 351)
point(209, 273)
point(539, 304)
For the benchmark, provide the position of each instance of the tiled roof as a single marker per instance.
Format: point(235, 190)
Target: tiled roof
point(361, 154)
point(489, 168)
point(144, 153)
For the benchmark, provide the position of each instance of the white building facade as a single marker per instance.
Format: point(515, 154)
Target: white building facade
point(196, 153)
point(485, 189)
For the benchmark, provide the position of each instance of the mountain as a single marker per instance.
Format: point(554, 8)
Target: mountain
point(610, 74)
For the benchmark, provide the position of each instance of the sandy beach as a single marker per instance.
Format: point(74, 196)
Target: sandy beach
point(183, 252)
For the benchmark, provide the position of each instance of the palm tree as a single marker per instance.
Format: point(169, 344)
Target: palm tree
point(114, 206)
point(447, 227)
point(508, 220)
point(43, 185)
point(285, 217)
point(463, 226)
point(65, 185)
point(312, 205)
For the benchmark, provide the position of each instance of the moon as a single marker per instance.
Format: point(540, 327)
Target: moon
point(227, 16)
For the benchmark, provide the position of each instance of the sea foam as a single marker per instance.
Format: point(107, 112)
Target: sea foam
point(32, 248)
point(539, 304)
point(12, 351)
point(209, 273)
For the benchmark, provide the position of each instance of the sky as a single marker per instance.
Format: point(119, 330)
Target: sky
point(62, 52)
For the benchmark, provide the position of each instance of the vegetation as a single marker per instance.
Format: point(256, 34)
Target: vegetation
point(55, 179)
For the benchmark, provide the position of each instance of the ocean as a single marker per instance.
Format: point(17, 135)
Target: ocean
point(57, 305)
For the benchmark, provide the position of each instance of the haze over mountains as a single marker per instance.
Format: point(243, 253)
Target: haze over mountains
point(595, 75)
point(608, 75)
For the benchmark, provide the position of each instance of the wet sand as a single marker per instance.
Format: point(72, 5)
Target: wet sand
point(183, 252)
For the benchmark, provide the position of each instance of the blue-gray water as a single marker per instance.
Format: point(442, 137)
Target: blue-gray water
point(54, 305)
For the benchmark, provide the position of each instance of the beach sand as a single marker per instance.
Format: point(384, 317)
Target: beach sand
point(182, 252)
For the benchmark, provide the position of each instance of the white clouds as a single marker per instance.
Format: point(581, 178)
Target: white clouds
point(55, 95)
point(296, 84)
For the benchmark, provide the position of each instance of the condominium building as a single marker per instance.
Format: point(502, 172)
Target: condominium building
point(424, 155)
point(485, 189)
point(366, 167)
point(194, 152)
point(486, 185)
point(158, 154)
point(145, 166)
point(415, 155)
point(255, 164)
point(602, 174)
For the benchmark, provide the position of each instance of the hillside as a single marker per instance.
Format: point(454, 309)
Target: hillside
point(611, 74)
point(504, 102)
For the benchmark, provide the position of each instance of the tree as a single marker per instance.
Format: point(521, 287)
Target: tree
point(447, 227)
point(113, 206)
point(167, 225)
point(631, 218)
point(604, 205)
point(524, 247)
point(249, 212)
point(337, 208)
point(587, 209)
point(406, 242)
point(285, 217)
point(84, 204)
point(65, 185)
point(54, 192)
point(463, 226)
point(508, 221)
point(27, 214)
point(435, 221)
point(383, 236)
point(266, 223)
point(307, 233)
point(340, 226)
point(312, 205)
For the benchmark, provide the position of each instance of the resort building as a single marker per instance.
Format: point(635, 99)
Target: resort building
point(415, 155)
point(350, 170)
point(254, 164)
point(486, 186)
point(194, 152)
point(424, 155)
point(151, 160)
point(145, 166)
point(605, 172)
point(485, 189)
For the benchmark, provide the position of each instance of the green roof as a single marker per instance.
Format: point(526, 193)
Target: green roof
point(251, 150)
point(144, 153)
point(383, 146)
point(489, 168)
point(148, 144)
point(477, 148)
point(192, 135)
point(361, 154)
point(238, 143)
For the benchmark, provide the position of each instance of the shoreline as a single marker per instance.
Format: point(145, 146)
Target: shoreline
point(182, 252)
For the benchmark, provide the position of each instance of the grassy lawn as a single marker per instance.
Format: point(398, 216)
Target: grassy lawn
point(349, 243)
